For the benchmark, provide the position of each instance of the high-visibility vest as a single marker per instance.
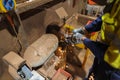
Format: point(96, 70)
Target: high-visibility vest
point(110, 34)
point(7, 5)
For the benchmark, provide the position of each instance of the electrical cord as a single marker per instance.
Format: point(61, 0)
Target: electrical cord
point(16, 34)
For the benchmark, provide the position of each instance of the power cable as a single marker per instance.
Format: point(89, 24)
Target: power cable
point(16, 34)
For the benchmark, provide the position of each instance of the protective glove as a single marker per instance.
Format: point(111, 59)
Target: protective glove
point(79, 30)
point(76, 38)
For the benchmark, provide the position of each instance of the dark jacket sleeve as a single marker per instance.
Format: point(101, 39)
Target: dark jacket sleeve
point(94, 26)
point(97, 48)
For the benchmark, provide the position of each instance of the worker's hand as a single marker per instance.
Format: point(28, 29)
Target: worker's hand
point(83, 38)
point(91, 77)
point(77, 38)
point(79, 30)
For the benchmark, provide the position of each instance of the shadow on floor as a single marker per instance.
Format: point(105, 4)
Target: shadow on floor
point(76, 71)
point(74, 65)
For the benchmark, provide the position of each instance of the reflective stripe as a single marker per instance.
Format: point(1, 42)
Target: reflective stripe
point(112, 57)
point(110, 33)
point(108, 28)
point(107, 18)
point(109, 22)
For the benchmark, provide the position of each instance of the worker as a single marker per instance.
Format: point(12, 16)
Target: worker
point(106, 65)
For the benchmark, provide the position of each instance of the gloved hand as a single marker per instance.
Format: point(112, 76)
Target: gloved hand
point(79, 30)
point(76, 38)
